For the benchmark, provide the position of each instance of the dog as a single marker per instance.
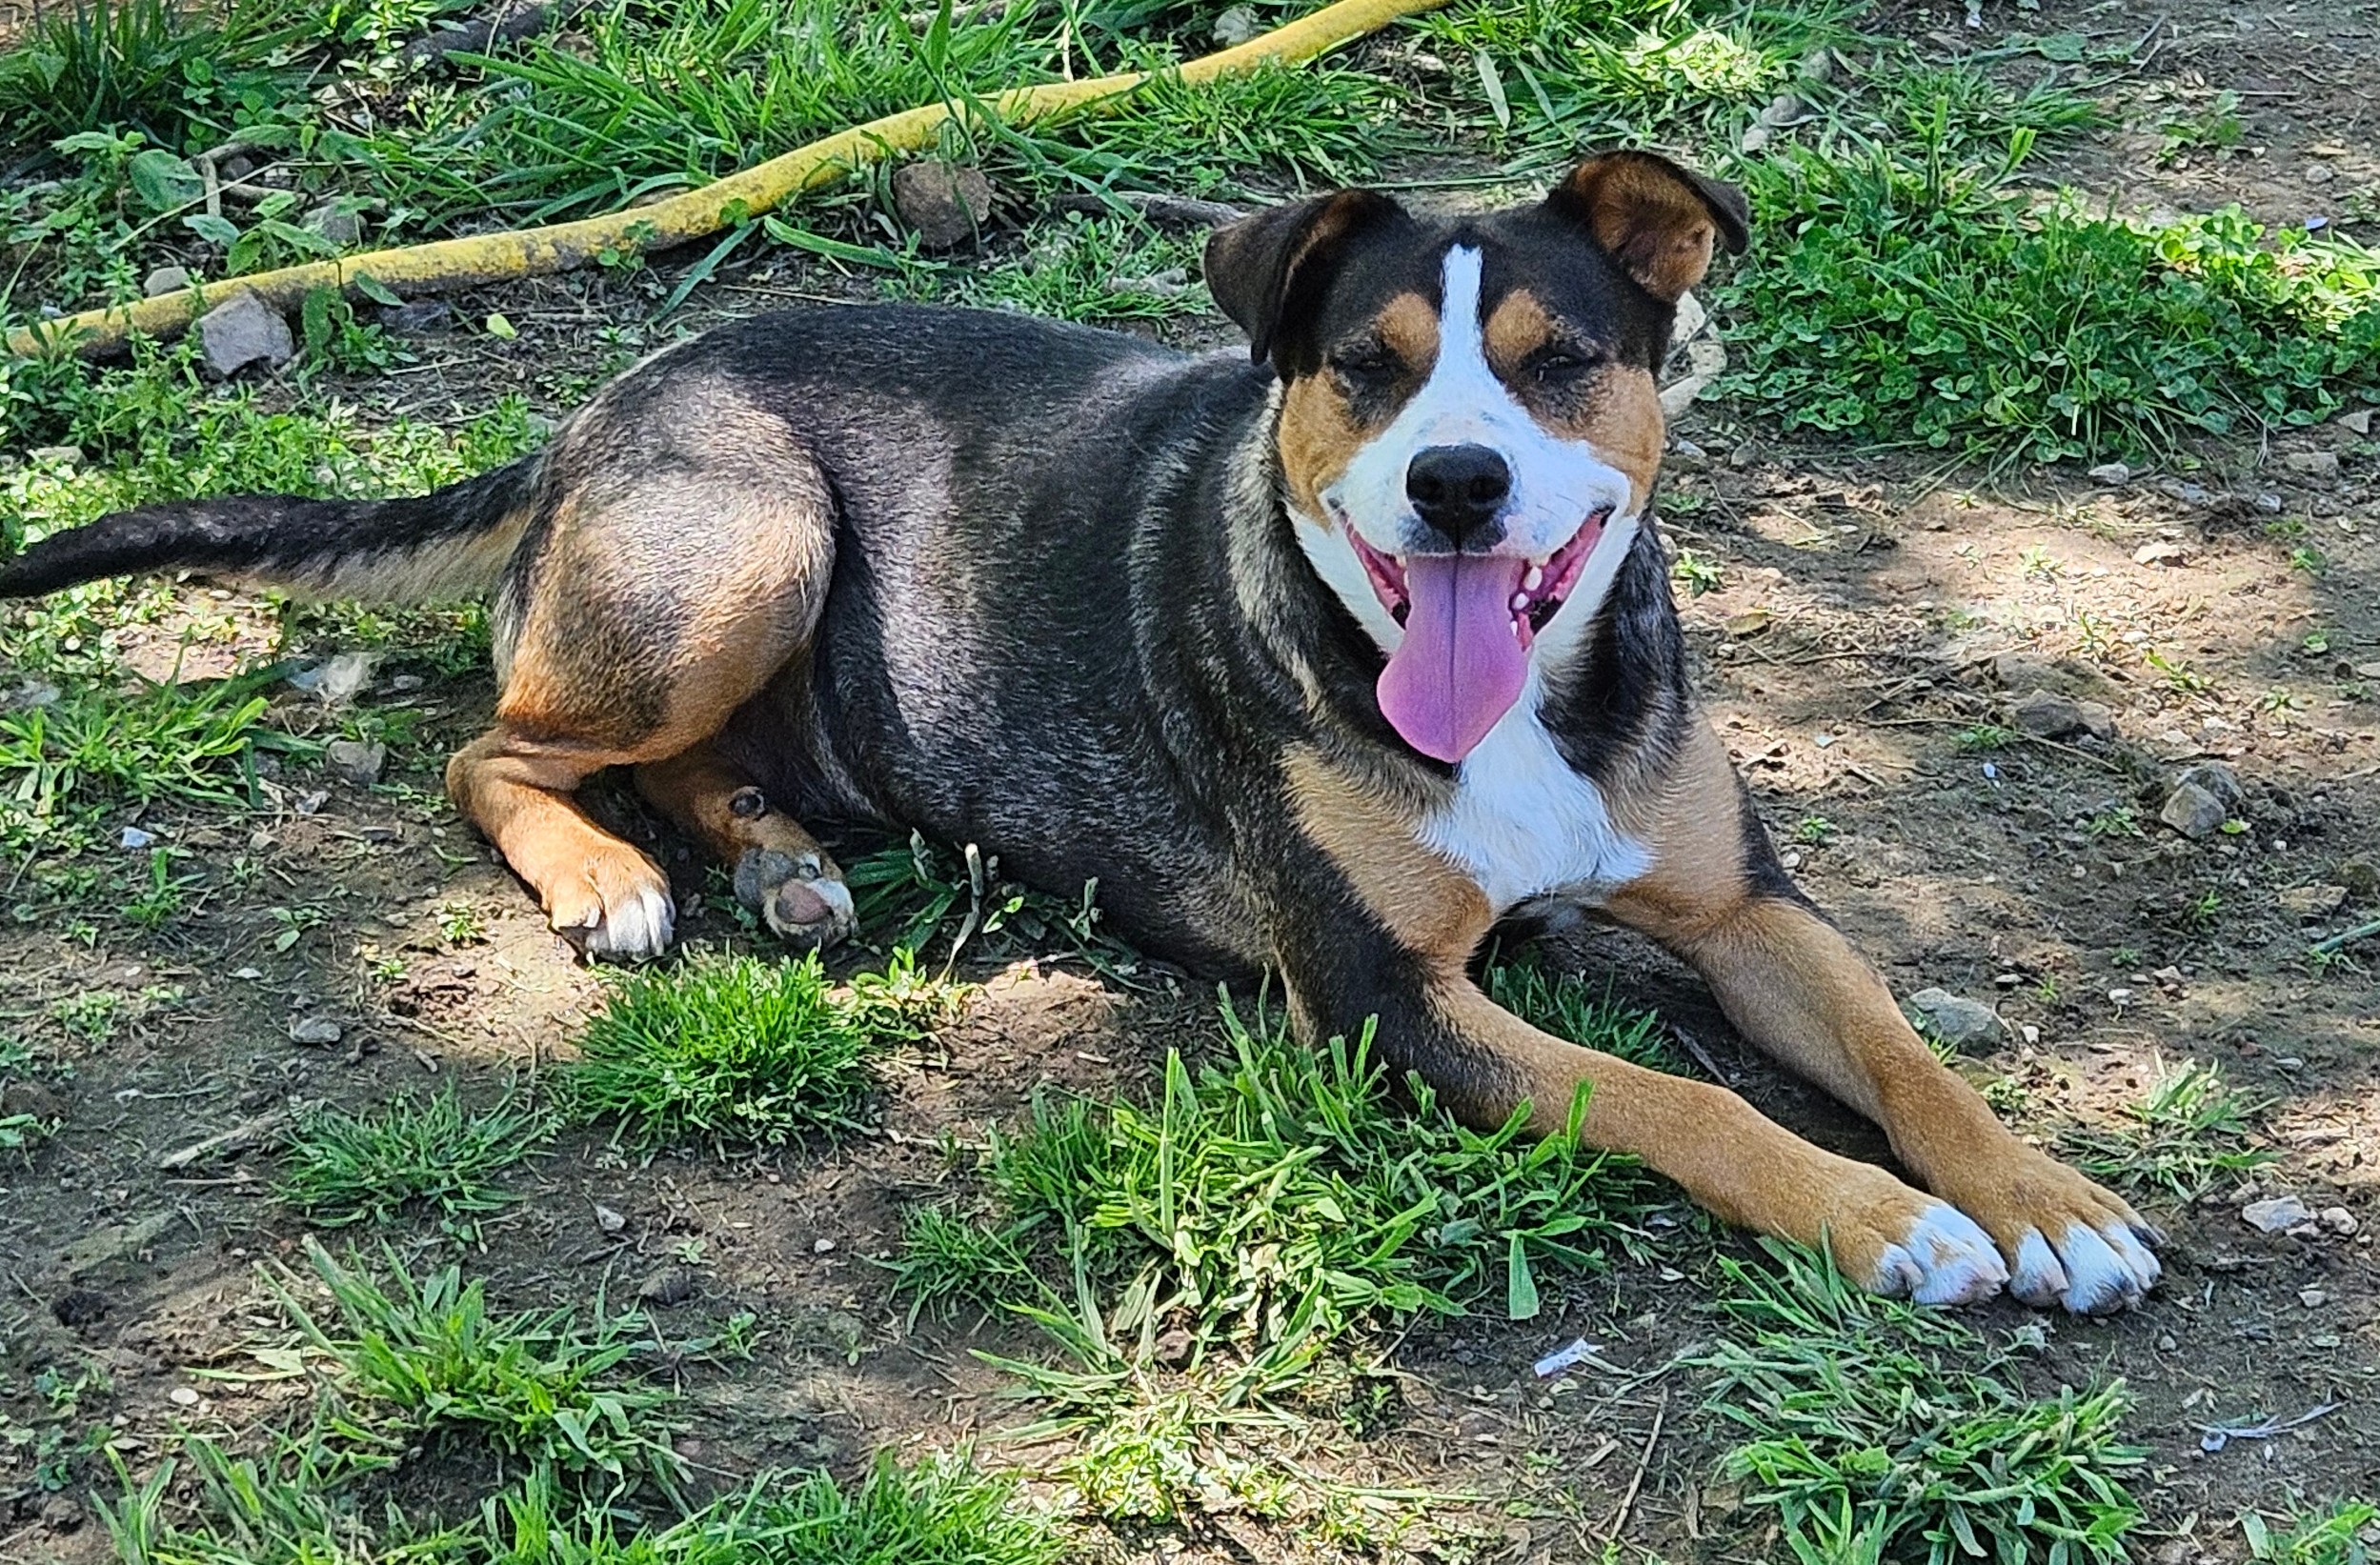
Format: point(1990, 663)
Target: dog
point(1321, 659)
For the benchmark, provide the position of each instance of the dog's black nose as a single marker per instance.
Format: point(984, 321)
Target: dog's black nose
point(1458, 490)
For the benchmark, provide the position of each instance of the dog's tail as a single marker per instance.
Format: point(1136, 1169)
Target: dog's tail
point(453, 543)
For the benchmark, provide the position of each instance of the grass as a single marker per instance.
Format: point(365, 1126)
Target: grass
point(741, 1053)
point(406, 1374)
point(2191, 1135)
point(2341, 1534)
point(1876, 1431)
point(427, 1154)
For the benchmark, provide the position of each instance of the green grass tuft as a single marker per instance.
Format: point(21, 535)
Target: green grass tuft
point(1880, 1431)
point(2192, 1135)
point(2342, 1535)
point(742, 1053)
point(413, 1152)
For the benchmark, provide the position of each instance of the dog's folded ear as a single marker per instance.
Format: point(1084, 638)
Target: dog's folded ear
point(1656, 219)
point(1268, 270)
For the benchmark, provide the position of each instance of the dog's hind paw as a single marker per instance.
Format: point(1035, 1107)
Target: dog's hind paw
point(619, 913)
point(801, 896)
point(1946, 1258)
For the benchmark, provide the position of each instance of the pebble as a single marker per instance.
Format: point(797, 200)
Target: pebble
point(1960, 1022)
point(609, 1220)
point(242, 330)
point(2310, 903)
point(2358, 422)
point(182, 1396)
point(2047, 716)
point(2110, 475)
point(1236, 25)
point(355, 760)
point(2276, 1214)
point(2193, 811)
point(135, 838)
point(823, 1247)
point(2337, 1219)
point(2312, 464)
point(2164, 551)
point(163, 281)
point(2313, 1299)
point(675, 1285)
point(315, 1032)
point(945, 203)
point(336, 223)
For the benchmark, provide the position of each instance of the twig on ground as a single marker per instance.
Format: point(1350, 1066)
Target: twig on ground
point(1188, 211)
point(239, 1138)
point(1643, 1460)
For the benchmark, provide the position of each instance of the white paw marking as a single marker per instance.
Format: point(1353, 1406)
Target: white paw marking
point(2106, 1269)
point(638, 930)
point(1946, 1258)
point(2039, 1278)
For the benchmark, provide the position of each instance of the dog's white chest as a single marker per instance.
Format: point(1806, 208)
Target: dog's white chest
point(1524, 824)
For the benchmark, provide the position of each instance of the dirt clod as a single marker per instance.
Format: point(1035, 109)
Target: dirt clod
point(946, 203)
point(80, 1307)
point(315, 1032)
point(2276, 1214)
point(672, 1285)
point(355, 761)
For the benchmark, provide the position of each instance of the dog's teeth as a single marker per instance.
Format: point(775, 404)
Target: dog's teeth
point(1519, 602)
point(1534, 579)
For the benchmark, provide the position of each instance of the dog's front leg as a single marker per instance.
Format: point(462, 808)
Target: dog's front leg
point(1792, 985)
point(1375, 928)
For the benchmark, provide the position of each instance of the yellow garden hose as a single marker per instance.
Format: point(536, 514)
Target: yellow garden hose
point(533, 253)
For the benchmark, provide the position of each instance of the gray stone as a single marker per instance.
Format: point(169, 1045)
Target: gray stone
point(2310, 903)
point(1960, 1022)
point(336, 223)
point(2217, 779)
point(2312, 464)
point(2164, 551)
point(2098, 720)
point(946, 203)
point(2110, 473)
point(2357, 423)
point(242, 330)
point(2276, 1214)
point(2048, 716)
point(116, 1242)
point(2193, 811)
point(2361, 877)
point(2337, 1219)
point(1236, 25)
point(315, 1032)
point(2062, 675)
point(163, 281)
point(356, 761)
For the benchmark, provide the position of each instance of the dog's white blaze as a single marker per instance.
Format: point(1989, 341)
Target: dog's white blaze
point(1556, 483)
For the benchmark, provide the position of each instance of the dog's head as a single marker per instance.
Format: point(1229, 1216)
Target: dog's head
point(1469, 428)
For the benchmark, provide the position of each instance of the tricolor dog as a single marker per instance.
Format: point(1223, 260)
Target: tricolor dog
point(1321, 663)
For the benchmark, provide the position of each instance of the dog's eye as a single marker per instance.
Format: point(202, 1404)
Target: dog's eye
point(1560, 366)
point(1367, 366)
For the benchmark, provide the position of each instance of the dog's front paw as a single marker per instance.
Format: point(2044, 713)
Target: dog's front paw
point(801, 896)
point(2068, 1240)
point(1905, 1244)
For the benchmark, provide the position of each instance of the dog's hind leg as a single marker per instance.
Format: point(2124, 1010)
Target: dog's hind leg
point(677, 563)
point(782, 872)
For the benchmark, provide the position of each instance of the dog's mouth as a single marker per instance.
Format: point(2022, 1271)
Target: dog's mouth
point(1470, 621)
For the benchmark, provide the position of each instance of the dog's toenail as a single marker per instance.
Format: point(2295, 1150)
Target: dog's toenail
point(748, 804)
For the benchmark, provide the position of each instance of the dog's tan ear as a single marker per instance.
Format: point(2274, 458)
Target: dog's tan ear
point(1266, 270)
point(1658, 221)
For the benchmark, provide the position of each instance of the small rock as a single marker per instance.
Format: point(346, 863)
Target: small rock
point(2064, 675)
point(2358, 422)
point(1236, 25)
point(1174, 1347)
point(182, 1396)
point(2217, 779)
point(2164, 551)
point(315, 1032)
point(2310, 903)
point(31, 1097)
point(946, 203)
point(1783, 109)
point(2313, 1299)
point(2276, 1214)
point(1960, 1023)
point(2193, 811)
point(2312, 464)
point(2110, 473)
point(823, 1247)
point(2360, 876)
point(675, 1285)
point(335, 222)
point(242, 330)
point(163, 281)
point(418, 317)
point(1686, 323)
point(609, 1220)
point(2047, 716)
point(355, 760)
point(2098, 721)
point(2268, 503)
point(135, 839)
point(55, 456)
point(2337, 1219)
point(79, 1307)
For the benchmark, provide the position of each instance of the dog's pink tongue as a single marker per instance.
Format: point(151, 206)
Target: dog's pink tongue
point(1460, 667)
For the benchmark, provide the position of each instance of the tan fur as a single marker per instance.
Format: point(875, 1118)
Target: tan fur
point(699, 789)
point(1650, 222)
point(1319, 430)
point(1425, 902)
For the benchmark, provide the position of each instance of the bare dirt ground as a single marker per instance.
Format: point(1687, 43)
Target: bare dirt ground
point(1869, 613)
